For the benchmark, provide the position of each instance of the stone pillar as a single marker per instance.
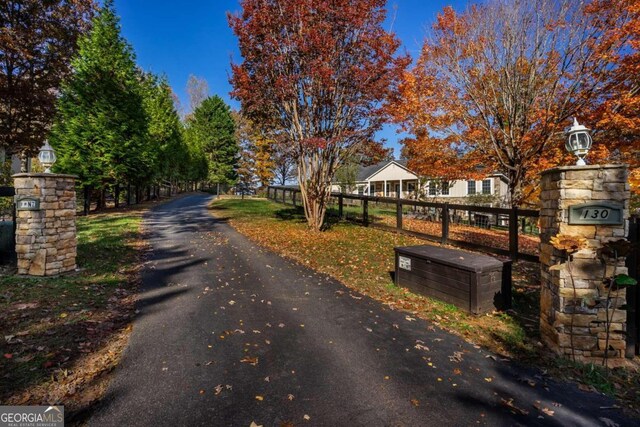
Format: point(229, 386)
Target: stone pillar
point(46, 242)
point(573, 291)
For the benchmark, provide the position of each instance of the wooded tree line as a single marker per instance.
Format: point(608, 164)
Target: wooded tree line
point(111, 123)
point(495, 86)
point(117, 126)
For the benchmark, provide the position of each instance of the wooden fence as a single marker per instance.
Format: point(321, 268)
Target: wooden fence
point(445, 223)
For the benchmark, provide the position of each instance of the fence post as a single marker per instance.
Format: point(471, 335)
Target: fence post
point(398, 214)
point(365, 212)
point(340, 206)
point(445, 224)
point(513, 233)
point(268, 192)
point(284, 194)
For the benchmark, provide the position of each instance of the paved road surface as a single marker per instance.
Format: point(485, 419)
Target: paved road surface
point(229, 334)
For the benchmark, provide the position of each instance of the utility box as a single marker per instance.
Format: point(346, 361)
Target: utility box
point(475, 283)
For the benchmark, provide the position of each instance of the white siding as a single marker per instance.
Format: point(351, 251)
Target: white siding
point(392, 172)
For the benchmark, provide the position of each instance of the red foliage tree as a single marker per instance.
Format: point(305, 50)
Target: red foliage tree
point(616, 119)
point(317, 72)
point(37, 40)
point(500, 82)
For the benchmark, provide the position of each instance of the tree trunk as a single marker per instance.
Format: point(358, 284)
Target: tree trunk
point(116, 195)
point(87, 200)
point(315, 194)
point(515, 187)
point(102, 195)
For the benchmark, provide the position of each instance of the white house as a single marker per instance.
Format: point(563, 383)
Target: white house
point(392, 178)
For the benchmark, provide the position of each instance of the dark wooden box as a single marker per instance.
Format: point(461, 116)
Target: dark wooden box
point(476, 283)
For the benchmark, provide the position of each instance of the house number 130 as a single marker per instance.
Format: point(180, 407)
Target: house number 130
point(595, 214)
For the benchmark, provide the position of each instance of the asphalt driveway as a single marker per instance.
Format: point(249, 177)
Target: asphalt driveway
point(229, 333)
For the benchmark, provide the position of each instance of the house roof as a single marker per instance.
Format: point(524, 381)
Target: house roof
point(367, 172)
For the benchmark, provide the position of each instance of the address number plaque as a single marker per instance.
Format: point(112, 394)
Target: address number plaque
point(28, 204)
point(596, 213)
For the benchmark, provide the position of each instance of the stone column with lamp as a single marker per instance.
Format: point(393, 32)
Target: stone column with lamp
point(584, 211)
point(45, 220)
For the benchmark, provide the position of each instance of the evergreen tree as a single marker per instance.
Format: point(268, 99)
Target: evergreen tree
point(212, 129)
point(101, 129)
point(165, 149)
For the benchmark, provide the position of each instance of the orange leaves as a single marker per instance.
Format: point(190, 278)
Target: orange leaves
point(485, 91)
point(253, 361)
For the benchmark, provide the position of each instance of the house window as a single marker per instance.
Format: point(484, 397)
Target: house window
point(360, 190)
point(388, 189)
point(433, 188)
point(372, 189)
point(486, 186)
point(471, 187)
point(445, 188)
point(411, 187)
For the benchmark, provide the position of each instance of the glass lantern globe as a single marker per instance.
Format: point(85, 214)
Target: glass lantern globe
point(47, 157)
point(579, 142)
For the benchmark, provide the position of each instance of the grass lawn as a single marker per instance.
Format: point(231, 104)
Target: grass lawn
point(363, 258)
point(62, 335)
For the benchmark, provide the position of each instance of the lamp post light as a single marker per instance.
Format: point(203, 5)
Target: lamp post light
point(579, 141)
point(47, 157)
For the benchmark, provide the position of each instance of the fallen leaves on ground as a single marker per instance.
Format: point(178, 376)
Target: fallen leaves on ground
point(515, 409)
point(69, 331)
point(250, 360)
point(362, 258)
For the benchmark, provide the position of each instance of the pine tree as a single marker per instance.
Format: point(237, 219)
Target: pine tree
point(212, 129)
point(165, 149)
point(101, 129)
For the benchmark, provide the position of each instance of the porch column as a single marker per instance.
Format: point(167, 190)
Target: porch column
point(400, 193)
point(384, 188)
point(369, 188)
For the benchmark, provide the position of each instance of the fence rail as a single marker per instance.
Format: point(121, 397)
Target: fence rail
point(445, 223)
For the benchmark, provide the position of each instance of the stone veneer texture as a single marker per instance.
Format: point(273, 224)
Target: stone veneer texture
point(46, 242)
point(573, 291)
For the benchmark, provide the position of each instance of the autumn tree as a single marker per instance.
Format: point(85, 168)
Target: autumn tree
point(617, 118)
point(284, 164)
point(37, 41)
point(317, 73)
point(264, 155)
point(255, 164)
point(499, 83)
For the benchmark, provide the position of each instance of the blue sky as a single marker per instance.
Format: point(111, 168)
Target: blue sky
point(192, 37)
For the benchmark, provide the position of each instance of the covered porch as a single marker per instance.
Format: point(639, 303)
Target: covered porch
point(403, 189)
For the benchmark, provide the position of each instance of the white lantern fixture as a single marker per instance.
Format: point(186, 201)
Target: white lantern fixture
point(579, 141)
point(47, 157)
